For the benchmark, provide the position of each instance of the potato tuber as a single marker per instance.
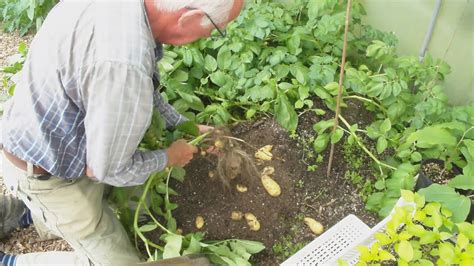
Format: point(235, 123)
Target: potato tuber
point(252, 221)
point(315, 226)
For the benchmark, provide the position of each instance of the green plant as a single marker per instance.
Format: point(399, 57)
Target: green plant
point(24, 14)
point(426, 237)
point(299, 183)
point(286, 247)
point(13, 69)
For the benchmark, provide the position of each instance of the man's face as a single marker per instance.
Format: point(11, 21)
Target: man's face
point(189, 29)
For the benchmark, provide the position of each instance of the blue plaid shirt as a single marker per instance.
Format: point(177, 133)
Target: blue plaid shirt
point(86, 94)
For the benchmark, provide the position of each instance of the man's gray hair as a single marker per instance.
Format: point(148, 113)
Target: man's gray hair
point(218, 10)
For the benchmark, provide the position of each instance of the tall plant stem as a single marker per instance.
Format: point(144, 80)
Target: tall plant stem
point(341, 79)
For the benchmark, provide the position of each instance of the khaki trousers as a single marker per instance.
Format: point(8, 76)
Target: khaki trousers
point(75, 211)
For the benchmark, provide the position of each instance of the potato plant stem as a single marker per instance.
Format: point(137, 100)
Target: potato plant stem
point(341, 79)
point(366, 100)
point(142, 203)
point(359, 142)
point(137, 212)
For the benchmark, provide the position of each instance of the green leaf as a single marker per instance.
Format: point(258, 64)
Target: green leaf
point(336, 136)
point(258, 93)
point(459, 205)
point(173, 246)
point(180, 76)
point(432, 136)
point(321, 142)
point(428, 237)
point(323, 125)
point(187, 57)
point(381, 144)
point(383, 238)
point(463, 182)
point(405, 250)
point(240, 250)
point(250, 113)
point(148, 227)
point(178, 173)
point(194, 247)
point(416, 157)
point(314, 7)
point(466, 229)
point(407, 195)
point(385, 126)
point(252, 247)
point(446, 252)
point(385, 255)
point(224, 58)
point(332, 88)
point(210, 64)
point(192, 100)
point(285, 113)
point(219, 78)
point(189, 127)
point(463, 241)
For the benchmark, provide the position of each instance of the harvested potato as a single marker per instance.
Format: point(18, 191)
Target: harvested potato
point(264, 153)
point(203, 153)
point(219, 144)
point(268, 170)
point(211, 174)
point(237, 216)
point(267, 148)
point(271, 186)
point(315, 226)
point(241, 188)
point(199, 222)
point(252, 221)
point(264, 156)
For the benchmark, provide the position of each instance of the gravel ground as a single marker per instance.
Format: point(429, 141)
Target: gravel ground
point(24, 240)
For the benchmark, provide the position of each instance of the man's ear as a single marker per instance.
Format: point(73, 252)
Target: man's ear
point(191, 18)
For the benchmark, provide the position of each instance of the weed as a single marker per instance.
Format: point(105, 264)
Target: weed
point(299, 183)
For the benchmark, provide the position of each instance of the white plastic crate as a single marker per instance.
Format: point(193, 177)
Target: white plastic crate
point(340, 242)
point(331, 244)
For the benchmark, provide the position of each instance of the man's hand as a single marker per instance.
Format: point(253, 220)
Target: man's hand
point(180, 153)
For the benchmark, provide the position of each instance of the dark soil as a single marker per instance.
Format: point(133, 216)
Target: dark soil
point(304, 194)
point(437, 173)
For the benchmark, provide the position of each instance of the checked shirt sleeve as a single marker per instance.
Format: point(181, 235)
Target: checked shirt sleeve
point(118, 99)
point(171, 116)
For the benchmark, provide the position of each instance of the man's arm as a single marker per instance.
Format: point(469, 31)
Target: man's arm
point(171, 116)
point(118, 101)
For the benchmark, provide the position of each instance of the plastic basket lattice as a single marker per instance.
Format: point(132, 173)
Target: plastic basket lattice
point(331, 244)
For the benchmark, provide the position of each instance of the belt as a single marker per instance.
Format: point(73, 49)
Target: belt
point(22, 164)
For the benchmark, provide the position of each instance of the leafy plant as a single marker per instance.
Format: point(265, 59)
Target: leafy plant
point(427, 237)
point(22, 15)
point(11, 71)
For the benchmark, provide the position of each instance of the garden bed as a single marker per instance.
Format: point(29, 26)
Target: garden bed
point(304, 193)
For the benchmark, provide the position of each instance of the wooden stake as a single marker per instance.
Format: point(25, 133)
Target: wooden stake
point(341, 79)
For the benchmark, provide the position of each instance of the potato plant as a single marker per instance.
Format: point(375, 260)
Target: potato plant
point(278, 58)
point(23, 15)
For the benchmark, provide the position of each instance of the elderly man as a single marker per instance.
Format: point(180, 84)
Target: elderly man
point(85, 99)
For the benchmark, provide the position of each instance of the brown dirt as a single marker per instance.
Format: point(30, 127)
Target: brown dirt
point(304, 193)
